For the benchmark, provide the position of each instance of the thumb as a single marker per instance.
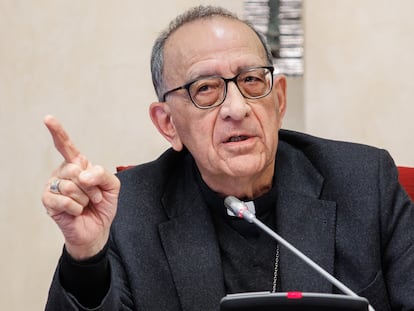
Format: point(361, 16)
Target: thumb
point(97, 180)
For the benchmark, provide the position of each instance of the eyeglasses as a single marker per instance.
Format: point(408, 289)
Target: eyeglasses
point(209, 92)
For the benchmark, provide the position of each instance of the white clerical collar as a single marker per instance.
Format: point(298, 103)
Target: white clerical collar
point(250, 207)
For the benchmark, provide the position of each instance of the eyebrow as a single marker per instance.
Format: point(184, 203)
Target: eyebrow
point(204, 75)
point(207, 75)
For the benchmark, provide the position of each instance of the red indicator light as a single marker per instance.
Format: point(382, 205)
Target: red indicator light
point(294, 295)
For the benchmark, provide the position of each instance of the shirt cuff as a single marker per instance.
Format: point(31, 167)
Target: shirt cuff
point(87, 280)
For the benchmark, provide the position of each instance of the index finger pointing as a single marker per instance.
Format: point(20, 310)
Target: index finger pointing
point(62, 140)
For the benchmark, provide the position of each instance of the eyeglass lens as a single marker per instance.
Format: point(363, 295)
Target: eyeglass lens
point(211, 91)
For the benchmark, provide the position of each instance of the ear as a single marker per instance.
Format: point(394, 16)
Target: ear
point(160, 114)
point(280, 86)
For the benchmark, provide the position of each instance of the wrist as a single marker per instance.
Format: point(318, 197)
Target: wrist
point(92, 260)
point(85, 252)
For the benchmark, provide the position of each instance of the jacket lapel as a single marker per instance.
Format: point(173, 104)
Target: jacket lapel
point(191, 248)
point(304, 220)
point(309, 225)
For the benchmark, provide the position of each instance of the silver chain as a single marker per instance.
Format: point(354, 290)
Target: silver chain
point(276, 271)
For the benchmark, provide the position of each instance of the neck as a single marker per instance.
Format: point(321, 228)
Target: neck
point(241, 187)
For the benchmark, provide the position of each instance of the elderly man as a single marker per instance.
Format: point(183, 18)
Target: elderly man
point(163, 240)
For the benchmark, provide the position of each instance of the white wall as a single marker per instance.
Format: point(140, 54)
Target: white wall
point(87, 62)
point(359, 82)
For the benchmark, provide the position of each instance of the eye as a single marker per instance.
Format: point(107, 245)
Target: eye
point(205, 86)
point(254, 83)
point(207, 92)
point(253, 77)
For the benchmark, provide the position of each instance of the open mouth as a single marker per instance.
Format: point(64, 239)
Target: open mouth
point(234, 139)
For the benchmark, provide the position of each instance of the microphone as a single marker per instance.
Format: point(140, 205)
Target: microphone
point(239, 209)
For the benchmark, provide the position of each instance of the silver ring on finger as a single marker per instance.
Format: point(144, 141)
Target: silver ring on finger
point(54, 186)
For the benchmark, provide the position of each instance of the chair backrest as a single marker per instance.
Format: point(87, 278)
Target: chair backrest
point(406, 178)
point(121, 168)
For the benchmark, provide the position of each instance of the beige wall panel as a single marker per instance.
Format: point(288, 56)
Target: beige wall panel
point(359, 82)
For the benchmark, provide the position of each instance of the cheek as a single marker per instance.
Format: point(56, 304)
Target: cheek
point(195, 131)
point(269, 117)
point(270, 124)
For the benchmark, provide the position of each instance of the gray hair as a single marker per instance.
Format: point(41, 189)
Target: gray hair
point(193, 14)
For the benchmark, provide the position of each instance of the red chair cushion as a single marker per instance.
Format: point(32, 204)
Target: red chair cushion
point(406, 178)
point(123, 167)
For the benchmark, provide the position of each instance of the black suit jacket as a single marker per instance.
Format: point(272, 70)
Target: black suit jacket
point(339, 203)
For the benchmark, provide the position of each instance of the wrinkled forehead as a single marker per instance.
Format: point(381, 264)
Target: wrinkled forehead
point(213, 41)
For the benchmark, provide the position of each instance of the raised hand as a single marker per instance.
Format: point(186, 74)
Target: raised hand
point(80, 197)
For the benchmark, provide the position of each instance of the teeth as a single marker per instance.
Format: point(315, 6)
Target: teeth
point(237, 138)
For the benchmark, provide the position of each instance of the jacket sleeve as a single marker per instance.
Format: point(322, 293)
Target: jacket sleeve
point(118, 296)
point(397, 236)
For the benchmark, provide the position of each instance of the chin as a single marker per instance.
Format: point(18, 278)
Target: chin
point(243, 168)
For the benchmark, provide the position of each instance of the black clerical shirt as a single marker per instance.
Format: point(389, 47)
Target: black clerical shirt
point(247, 254)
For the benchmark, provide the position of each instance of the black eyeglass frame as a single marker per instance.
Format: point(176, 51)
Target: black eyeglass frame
point(226, 81)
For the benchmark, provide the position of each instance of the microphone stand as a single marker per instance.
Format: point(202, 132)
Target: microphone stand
point(239, 209)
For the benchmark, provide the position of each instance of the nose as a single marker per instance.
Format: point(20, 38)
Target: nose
point(235, 105)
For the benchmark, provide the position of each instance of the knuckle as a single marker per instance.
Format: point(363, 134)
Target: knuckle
point(70, 170)
point(65, 203)
point(57, 217)
point(70, 189)
point(70, 206)
point(46, 198)
point(73, 169)
point(76, 210)
point(99, 169)
point(84, 200)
